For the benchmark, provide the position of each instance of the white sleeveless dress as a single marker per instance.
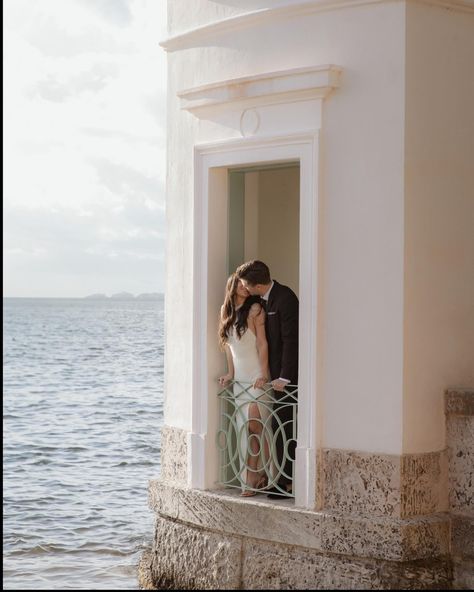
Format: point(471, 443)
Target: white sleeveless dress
point(246, 371)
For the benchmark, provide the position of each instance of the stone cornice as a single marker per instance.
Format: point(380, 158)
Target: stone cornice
point(193, 37)
point(268, 88)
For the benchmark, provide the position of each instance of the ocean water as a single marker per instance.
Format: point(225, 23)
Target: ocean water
point(83, 410)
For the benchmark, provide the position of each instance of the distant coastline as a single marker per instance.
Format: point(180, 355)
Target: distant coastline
point(125, 296)
point(98, 296)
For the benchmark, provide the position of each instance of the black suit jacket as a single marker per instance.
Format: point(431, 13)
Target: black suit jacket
point(281, 325)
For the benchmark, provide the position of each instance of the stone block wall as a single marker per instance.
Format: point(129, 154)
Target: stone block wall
point(382, 522)
point(215, 540)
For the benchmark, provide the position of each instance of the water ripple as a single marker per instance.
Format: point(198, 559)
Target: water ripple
point(83, 407)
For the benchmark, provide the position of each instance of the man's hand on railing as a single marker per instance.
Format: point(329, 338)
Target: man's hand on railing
point(260, 382)
point(279, 385)
point(224, 380)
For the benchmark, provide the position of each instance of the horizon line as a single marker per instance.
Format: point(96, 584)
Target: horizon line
point(89, 296)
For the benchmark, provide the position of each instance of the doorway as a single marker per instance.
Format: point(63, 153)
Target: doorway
point(263, 223)
point(215, 253)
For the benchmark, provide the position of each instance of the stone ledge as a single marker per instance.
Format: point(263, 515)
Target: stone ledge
point(222, 511)
point(257, 518)
point(459, 402)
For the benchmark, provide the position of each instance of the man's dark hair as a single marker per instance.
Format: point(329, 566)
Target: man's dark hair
point(254, 272)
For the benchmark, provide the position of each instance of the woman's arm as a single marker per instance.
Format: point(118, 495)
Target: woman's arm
point(257, 318)
point(223, 380)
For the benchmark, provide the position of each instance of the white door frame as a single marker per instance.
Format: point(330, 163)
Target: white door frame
point(201, 443)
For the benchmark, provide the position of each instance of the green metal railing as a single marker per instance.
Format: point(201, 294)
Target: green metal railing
point(257, 438)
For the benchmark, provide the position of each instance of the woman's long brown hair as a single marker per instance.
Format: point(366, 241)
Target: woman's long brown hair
point(230, 316)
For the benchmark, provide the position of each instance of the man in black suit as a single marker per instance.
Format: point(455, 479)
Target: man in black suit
point(281, 325)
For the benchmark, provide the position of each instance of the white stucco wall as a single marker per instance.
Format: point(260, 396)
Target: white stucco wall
point(362, 213)
point(179, 257)
point(396, 246)
point(362, 224)
point(439, 219)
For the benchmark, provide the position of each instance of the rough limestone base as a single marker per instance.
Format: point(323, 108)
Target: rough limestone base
point(214, 539)
point(459, 408)
point(424, 482)
point(460, 436)
point(189, 558)
point(361, 483)
point(383, 484)
point(383, 522)
point(462, 535)
point(145, 571)
point(463, 574)
point(174, 455)
point(281, 567)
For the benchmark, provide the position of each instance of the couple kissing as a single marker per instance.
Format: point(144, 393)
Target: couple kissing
point(258, 330)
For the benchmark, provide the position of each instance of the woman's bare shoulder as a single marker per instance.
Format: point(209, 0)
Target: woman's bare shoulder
point(255, 309)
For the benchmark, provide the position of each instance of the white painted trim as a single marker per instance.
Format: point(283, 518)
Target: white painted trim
point(244, 144)
point(253, 151)
point(285, 10)
point(267, 88)
point(305, 478)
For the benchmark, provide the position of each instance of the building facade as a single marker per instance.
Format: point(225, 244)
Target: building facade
point(333, 139)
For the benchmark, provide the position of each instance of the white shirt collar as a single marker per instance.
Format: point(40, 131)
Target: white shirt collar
point(267, 293)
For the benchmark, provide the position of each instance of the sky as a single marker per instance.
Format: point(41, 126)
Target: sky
point(84, 109)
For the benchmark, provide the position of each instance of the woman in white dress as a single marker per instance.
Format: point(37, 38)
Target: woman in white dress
point(242, 336)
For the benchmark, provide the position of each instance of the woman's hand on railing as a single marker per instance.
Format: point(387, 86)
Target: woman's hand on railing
point(224, 380)
point(261, 382)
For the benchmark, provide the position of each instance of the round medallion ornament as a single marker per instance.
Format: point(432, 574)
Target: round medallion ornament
point(249, 122)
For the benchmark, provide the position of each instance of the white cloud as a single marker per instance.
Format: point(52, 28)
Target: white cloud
point(84, 140)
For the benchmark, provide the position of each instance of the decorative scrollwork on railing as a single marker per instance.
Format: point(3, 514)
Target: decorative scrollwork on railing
point(257, 438)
